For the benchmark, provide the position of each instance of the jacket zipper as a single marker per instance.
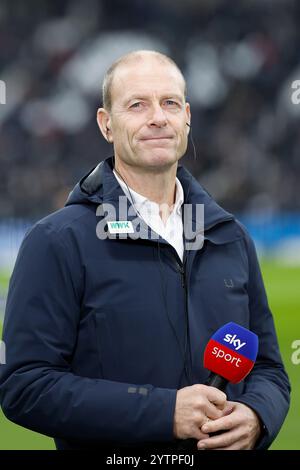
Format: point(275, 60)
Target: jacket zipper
point(182, 271)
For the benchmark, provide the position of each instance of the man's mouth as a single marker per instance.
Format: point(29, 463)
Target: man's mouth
point(167, 137)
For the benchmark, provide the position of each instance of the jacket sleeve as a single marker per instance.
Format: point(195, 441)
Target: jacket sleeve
point(37, 387)
point(267, 387)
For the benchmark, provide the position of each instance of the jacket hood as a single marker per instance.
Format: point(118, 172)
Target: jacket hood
point(99, 185)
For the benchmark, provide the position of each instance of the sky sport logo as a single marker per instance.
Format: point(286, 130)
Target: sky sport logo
point(236, 342)
point(228, 357)
point(231, 352)
point(2, 92)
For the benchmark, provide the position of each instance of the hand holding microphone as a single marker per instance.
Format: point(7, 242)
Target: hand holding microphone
point(193, 405)
point(230, 356)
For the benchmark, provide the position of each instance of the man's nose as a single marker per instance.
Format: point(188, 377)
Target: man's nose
point(157, 116)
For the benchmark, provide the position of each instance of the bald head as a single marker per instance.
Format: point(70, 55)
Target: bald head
point(137, 58)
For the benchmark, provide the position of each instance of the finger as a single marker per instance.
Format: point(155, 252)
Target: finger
point(228, 408)
point(233, 447)
point(238, 445)
point(207, 420)
point(224, 423)
point(196, 433)
point(202, 436)
point(216, 396)
point(225, 439)
point(212, 412)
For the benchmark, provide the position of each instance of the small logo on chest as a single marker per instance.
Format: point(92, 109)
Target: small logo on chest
point(120, 226)
point(228, 283)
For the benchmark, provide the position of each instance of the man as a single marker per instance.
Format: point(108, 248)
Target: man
point(105, 330)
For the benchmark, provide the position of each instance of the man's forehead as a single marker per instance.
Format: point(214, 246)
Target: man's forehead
point(136, 77)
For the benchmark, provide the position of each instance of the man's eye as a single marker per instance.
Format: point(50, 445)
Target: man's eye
point(135, 105)
point(171, 103)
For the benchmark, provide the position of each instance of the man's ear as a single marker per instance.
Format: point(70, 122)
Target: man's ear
point(103, 120)
point(188, 116)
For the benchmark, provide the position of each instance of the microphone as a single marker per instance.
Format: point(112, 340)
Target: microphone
point(230, 355)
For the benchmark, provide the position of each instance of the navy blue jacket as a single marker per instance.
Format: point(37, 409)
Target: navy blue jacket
point(101, 333)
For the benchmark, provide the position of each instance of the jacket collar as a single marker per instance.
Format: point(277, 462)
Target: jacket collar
point(101, 186)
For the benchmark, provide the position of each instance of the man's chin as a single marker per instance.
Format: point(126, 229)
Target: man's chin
point(159, 161)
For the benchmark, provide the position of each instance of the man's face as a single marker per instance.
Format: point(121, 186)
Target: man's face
point(149, 115)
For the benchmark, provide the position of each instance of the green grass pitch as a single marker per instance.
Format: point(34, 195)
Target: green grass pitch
point(283, 288)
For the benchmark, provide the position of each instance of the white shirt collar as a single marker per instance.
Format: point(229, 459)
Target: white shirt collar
point(172, 230)
point(139, 200)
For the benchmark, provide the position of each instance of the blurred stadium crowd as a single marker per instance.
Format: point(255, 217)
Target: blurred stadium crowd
point(239, 59)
